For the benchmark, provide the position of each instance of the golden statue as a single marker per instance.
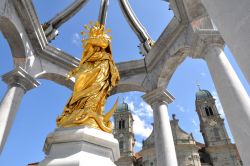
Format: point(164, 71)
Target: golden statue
point(95, 76)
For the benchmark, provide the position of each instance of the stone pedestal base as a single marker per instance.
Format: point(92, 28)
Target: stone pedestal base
point(80, 146)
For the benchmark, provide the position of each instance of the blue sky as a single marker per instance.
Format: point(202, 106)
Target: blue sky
point(40, 106)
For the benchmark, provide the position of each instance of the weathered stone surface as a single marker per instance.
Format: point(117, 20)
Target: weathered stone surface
point(80, 146)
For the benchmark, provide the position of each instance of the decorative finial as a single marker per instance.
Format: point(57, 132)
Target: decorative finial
point(198, 85)
point(173, 116)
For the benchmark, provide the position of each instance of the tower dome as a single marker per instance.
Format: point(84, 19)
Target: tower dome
point(122, 107)
point(203, 94)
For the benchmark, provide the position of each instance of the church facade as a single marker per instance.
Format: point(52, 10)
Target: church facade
point(217, 149)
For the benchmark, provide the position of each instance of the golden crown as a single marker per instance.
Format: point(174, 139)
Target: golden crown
point(95, 31)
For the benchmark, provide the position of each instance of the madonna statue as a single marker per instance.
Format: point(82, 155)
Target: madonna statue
point(95, 77)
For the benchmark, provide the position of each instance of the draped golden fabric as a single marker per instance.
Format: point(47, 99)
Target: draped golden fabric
point(95, 76)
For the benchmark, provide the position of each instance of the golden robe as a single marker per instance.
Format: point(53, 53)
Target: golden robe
point(95, 76)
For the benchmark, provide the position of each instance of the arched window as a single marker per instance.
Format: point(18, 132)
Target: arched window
point(123, 124)
point(210, 111)
point(207, 111)
point(120, 124)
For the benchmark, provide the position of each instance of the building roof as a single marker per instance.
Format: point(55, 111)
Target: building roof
point(179, 135)
point(203, 94)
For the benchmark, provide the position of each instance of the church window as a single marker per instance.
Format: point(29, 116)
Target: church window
point(121, 145)
point(207, 111)
point(120, 124)
point(210, 111)
point(123, 124)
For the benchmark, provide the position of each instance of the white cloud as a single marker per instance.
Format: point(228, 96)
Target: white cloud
point(138, 145)
point(180, 108)
point(130, 104)
point(140, 127)
point(76, 39)
point(196, 126)
point(218, 104)
point(142, 109)
point(145, 109)
point(203, 74)
point(142, 115)
point(194, 123)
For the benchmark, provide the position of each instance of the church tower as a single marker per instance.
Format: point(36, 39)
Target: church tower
point(218, 144)
point(211, 124)
point(123, 132)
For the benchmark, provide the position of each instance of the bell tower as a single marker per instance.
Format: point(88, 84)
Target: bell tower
point(123, 132)
point(217, 142)
point(211, 124)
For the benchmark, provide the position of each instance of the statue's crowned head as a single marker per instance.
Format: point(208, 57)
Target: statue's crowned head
point(95, 31)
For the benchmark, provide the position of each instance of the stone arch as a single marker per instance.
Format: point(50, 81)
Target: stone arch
point(61, 80)
point(14, 38)
point(57, 78)
point(125, 87)
point(170, 66)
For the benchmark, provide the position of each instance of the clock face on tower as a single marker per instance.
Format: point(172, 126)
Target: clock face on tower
point(212, 122)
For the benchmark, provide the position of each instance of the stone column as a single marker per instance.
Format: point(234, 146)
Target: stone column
point(232, 18)
point(18, 83)
point(234, 99)
point(164, 144)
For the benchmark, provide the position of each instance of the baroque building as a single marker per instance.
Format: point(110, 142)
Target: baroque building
point(217, 149)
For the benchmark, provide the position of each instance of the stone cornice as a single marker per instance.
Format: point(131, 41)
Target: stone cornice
point(159, 95)
point(203, 39)
point(19, 77)
point(218, 148)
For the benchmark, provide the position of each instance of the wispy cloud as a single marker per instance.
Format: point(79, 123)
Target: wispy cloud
point(203, 74)
point(130, 104)
point(138, 144)
point(218, 104)
point(142, 109)
point(140, 127)
point(142, 115)
point(76, 39)
point(182, 108)
point(194, 123)
point(196, 126)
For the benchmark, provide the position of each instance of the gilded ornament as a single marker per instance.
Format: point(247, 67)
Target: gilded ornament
point(95, 77)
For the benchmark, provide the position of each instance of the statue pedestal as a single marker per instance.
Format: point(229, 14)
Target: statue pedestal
point(80, 146)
